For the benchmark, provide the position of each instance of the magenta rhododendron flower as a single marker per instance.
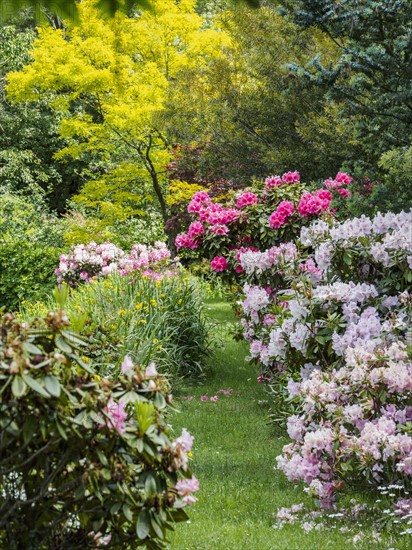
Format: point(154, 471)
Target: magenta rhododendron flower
point(195, 229)
point(219, 263)
point(184, 241)
point(273, 181)
point(203, 398)
point(291, 177)
point(219, 229)
point(245, 199)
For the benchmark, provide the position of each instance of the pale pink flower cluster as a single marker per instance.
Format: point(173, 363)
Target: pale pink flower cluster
point(185, 488)
point(340, 432)
point(88, 261)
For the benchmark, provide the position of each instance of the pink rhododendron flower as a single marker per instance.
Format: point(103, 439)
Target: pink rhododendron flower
point(117, 416)
point(245, 199)
point(273, 181)
point(291, 177)
point(343, 178)
point(204, 398)
point(184, 241)
point(185, 441)
point(185, 488)
point(127, 364)
point(151, 370)
point(214, 398)
point(219, 229)
point(219, 263)
point(195, 229)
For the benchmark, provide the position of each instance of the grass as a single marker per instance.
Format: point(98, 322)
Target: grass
point(234, 456)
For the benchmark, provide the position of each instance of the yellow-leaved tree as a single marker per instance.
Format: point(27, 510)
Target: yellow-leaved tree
point(109, 80)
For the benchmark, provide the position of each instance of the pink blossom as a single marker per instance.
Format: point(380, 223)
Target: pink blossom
point(184, 241)
point(219, 229)
point(342, 177)
point(291, 177)
point(185, 488)
point(117, 415)
point(219, 263)
point(273, 181)
point(195, 230)
point(246, 199)
point(214, 398)
point(127, 364)
point(151, 370)
point(185, 440)
point(204, 398)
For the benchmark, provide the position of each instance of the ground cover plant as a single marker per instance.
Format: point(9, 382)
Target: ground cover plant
point(86, 461)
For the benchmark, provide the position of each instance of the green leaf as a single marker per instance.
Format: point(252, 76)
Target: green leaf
point(127, 512)
point(52, 385)
point(61, 430)
point(28, 428)
point(347, 258)
point(150, 485)
point(143, 525)
point(18, 386)
point(34, 385)
point(62, 344)
point(31, 348)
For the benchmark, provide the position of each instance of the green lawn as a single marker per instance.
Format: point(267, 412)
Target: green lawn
point(234, 456)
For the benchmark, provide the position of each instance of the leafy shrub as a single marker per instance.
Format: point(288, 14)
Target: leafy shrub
point(30, 245)
point(84, 263)
point(257, 218)
point(333, 315)
point(153, 320)
point(85, 461)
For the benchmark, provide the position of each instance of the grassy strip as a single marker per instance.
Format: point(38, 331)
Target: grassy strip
point(234, 458)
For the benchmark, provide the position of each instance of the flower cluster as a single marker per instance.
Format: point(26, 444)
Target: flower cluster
point(256, 219)
point(88, 261)
point(340, 330)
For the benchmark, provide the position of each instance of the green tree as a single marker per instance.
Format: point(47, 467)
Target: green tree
point(370, 79)
point(108, 81)
point(251, 114)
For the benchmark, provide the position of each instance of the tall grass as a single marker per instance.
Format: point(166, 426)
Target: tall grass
point(159, 321)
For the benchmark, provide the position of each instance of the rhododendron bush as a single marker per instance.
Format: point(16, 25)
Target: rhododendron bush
point(333, 312)
point(92, 260)
point(258, 218)
point(85, 461)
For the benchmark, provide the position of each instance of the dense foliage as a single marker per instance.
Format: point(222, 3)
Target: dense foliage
point(154, 320)
point(31, 241)
point(86, 461)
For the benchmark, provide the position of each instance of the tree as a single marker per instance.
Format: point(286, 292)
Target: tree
point(29, 134)
point(251, 114)
point(370, 78)
point(109, 79)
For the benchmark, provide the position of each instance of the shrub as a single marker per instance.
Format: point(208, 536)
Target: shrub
point(257, 218)
point(84, 263)
point(30, 245)
point(338, 326)
point(85, 461)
